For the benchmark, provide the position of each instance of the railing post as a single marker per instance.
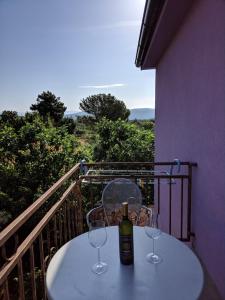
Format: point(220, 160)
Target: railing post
point(32, 272)
point(158, 187)
point(189, 200)
point(20, 278)
point(6, 290)
point(181, 208)
point(42, 261)
point(170, 206)
point(78, 207)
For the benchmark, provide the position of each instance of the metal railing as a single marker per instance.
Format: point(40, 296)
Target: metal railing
point(24, 259)
point(26, 247)
point(167, 185)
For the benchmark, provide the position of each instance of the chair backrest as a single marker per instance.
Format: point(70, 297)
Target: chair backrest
point(115, 193)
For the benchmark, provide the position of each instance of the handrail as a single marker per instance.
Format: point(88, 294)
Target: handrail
point(21, 250)
point(26, 214)
point(133, 176)
point(147, 163)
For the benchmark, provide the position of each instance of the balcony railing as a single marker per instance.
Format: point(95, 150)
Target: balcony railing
point(29, 242)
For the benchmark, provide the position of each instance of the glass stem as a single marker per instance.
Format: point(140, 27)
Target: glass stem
point(153, 247)
point(99, 260)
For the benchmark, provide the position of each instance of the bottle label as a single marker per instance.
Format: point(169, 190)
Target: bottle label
point(126, 245)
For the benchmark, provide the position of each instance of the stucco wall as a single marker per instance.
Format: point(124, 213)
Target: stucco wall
point(190, 122)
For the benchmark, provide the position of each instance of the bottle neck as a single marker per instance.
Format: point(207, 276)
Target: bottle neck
point(125, 217)
point(125, 211)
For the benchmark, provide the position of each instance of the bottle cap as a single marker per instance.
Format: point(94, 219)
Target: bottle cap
point(125, 209)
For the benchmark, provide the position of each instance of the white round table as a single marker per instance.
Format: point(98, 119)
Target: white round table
point(178, 277)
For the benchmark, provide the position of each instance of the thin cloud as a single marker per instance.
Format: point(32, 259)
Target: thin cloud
point(105, 86)
point(132, 24)
point(120, 24)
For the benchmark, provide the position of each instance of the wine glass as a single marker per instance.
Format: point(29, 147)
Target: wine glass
point(97, 236)
point(152, 231)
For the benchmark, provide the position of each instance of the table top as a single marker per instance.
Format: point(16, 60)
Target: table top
point(178, 276)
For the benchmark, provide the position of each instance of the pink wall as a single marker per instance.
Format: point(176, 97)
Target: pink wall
point(190, 122)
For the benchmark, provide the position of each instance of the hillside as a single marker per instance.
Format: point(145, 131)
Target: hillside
point(135, 114)
point(142, 114)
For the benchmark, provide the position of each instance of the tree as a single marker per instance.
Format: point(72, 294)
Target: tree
point(32, 158)
point(48, 105)
point(11, 118)
point(122, 141)
point(107, 106)
point(69, 124)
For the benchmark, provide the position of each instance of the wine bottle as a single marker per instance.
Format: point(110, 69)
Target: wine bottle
point(126, 238)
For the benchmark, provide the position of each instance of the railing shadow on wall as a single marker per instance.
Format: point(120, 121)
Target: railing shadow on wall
point(29, 242)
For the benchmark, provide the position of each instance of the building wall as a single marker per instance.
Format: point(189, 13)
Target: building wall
point(190, 123)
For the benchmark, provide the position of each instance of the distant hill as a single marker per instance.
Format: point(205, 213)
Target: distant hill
point(142, 114)
point(135, 114)
point(75, 114)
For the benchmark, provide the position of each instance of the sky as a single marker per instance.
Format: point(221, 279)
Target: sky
point(73, 48)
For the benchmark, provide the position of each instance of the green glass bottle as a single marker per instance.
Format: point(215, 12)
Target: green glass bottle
point(126, 238)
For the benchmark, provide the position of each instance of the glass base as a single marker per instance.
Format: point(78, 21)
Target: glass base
point(153, 258)
point(99, 268)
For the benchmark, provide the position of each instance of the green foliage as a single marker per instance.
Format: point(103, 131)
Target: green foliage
point(86, 120)
point(37, 149)
point(85, 151)
point(32, 157)
point(122, 141)
point(11, 118)
point(107, 106)
point(69, 124)
point(144, 124)
point(48, 105)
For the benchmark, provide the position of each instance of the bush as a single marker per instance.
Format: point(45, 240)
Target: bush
point(32, 157)
point(122, 141)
